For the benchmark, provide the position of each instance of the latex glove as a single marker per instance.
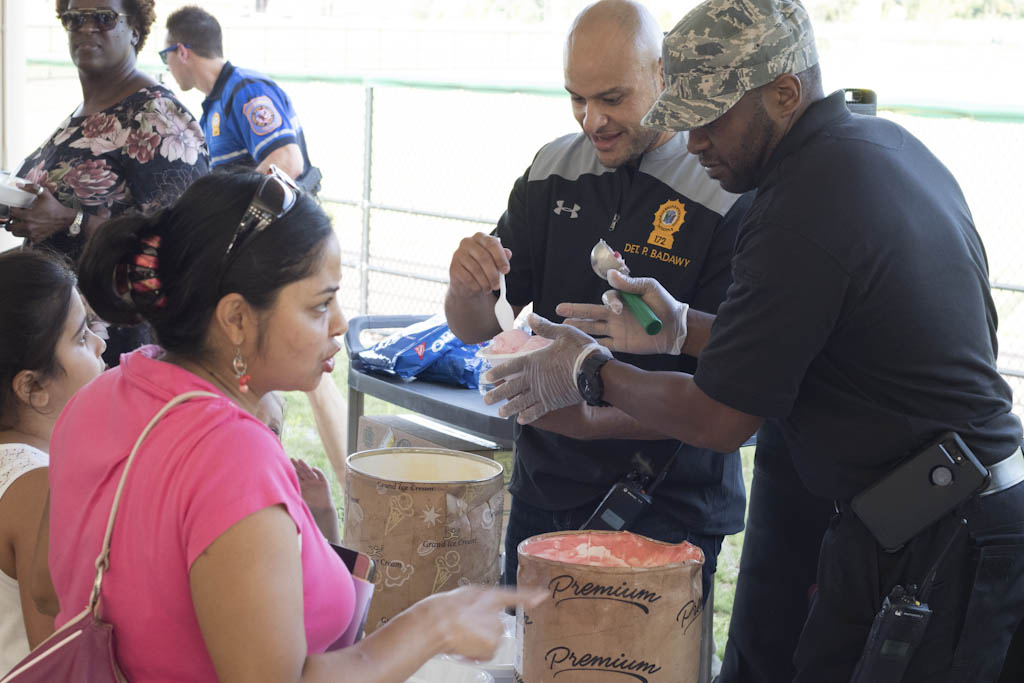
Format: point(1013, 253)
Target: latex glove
point(544, 380)
point(618, 329)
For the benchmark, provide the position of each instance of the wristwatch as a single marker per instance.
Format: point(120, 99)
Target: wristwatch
point(588, 379)
point(75, 228)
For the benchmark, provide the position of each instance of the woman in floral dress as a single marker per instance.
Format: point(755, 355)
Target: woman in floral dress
point(130, 144)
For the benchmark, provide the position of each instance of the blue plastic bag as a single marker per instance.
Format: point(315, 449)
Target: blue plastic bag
point(426, 349)
point(460, 366)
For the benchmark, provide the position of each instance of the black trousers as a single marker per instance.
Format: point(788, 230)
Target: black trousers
point(1013, 667)
point(778, 566)
point(977, 601)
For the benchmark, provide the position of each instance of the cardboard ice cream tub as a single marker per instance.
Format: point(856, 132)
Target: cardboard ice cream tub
point(619, 607)
point(429, 517)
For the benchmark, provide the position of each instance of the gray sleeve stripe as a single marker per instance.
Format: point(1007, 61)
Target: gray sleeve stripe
point(573, 156)
point(230, 155)
point(684, 174)
point(568, 157)
point(278, 134)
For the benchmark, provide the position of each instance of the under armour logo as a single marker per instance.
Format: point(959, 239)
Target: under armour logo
point(574, 212)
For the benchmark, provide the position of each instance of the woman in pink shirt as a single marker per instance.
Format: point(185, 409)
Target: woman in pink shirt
point(217, 570)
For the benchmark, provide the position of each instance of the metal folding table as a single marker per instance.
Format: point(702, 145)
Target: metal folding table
point(463, 409)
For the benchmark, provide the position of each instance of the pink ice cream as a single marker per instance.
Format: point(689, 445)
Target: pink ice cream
point(509, 342)
point(621, 549)
point(516, 341)
point(535, 342)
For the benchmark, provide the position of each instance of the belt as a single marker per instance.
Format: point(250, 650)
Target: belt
point(1005, 473)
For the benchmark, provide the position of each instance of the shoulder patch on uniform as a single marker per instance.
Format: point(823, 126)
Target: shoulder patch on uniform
point(262, 115)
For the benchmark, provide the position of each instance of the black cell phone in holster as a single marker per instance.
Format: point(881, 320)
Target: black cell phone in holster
point(920, 491)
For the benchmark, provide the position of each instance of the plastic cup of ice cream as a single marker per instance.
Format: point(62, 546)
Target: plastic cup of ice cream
point(502, 666)
point(441, 669)
point(11, 194)
point(505, 347)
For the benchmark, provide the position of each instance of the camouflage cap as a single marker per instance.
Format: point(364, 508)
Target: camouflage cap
point(722, 49)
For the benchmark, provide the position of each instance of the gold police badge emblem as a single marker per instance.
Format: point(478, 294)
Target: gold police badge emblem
point(668, 219)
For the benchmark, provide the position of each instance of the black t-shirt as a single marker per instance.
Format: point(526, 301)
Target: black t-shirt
point(670, 226)
point(860, 315)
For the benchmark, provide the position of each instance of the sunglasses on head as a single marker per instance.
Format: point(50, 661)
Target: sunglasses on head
point(164, 53)
point(275, 197)
point(102, 19)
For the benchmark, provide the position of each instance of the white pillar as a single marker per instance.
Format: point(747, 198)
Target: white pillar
point(13, 74)
point(13, 26)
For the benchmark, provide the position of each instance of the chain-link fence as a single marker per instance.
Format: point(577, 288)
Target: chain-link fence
point(438, 163)
point(412, 168)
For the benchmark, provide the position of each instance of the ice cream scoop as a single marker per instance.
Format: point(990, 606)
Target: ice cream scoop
point(602, 259)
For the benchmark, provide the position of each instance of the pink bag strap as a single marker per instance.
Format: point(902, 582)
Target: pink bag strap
point(103, 561)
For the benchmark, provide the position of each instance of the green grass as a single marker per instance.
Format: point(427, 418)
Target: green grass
point(729, 565)
point(301, 441)
point(300, 437)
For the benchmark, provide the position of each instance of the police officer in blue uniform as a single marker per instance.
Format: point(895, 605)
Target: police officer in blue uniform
point(248, 120)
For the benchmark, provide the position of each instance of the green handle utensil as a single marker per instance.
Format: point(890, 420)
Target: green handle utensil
point(644, 315)
point(602, 259)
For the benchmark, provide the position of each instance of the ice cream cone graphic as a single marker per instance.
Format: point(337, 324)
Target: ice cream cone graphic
point(401, 508)
point(447, 564)
point(355, 511)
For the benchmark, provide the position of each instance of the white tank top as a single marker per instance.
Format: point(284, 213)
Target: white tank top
point(15, 460)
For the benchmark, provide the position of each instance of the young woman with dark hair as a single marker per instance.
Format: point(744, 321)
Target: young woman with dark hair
point(218, 571)
point(47, 352)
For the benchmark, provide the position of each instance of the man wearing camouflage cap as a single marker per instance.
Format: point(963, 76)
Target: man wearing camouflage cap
point(860, 323)
point(728, 58)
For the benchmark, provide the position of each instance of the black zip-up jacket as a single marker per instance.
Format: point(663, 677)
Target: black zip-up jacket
point(671, 222)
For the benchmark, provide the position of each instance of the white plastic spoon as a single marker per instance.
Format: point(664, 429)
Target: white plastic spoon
point(502, 309)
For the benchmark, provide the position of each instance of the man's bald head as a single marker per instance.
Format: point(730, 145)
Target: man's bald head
point(613, 74)
point(615, 25)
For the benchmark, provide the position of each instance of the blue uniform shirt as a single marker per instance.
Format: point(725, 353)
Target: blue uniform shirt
point(246, 117)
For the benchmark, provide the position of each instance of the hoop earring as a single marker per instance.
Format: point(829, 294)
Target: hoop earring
point(240, 367)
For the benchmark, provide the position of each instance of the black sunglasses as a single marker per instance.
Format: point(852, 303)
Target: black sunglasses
point(275, 197)
point(171, 48)
point(102, 19)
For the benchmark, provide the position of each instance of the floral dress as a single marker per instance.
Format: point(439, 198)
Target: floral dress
point(140, 154)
